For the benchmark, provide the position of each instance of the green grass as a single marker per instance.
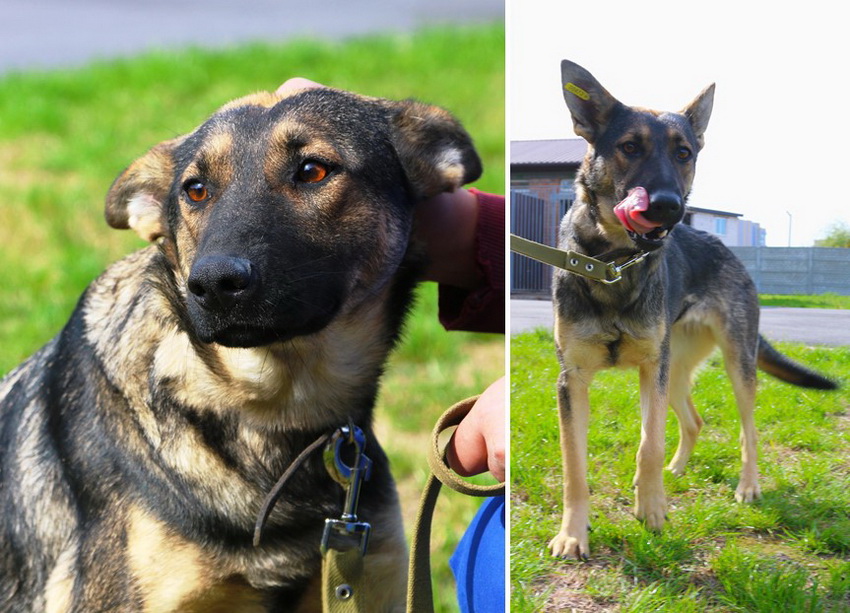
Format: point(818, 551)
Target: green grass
point(818, 301)
point(64, 136)
point(787, 552)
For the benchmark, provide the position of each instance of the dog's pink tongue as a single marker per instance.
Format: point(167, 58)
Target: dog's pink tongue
point(630, 212)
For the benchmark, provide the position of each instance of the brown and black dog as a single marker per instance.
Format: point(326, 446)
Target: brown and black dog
point(664, 317)
point(138, 445)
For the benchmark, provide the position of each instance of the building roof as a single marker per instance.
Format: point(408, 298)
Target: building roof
point(696, 209)
point(556, 151)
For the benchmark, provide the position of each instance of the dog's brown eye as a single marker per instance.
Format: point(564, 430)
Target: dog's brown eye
point(312, 172)
point(196, 191)
point(683, 154)
point(630, 148)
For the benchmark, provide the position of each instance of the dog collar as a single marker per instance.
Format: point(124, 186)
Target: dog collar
point(577, 263)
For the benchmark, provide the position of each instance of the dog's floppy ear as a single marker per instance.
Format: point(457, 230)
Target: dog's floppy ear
point(590, 104)
point(137, 197)
point(436, 152)
point(698, 113)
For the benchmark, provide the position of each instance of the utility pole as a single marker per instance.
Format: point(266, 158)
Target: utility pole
point(789, 227)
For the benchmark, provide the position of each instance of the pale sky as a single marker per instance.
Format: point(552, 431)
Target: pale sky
point(779, 137)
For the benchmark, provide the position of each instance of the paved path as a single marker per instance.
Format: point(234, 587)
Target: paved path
point(812, 326)
point(59, 33)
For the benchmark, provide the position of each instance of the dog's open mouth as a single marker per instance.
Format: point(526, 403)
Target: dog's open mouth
point(650, 240)
point(645, 233)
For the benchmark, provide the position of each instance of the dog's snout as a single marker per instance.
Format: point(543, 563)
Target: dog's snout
point(665, 207)
point(218, 282)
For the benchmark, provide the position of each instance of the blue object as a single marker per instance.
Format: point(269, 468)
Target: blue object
point(478, 562)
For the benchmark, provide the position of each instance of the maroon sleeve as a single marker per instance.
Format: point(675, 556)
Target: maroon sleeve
point(481, 310)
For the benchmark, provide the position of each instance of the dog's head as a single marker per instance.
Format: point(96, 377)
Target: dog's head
point(281, 212)
point(640, 164)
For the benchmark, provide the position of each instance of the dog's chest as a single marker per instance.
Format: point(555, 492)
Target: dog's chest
point(593, 344)
point(173, 573)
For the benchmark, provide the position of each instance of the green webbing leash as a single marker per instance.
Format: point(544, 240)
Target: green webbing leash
point(343, 588)
point(572, 261)
point(419, 596)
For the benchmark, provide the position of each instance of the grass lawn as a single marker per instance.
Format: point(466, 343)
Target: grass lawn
point(819, 301)
point(64, 136)
point(788, 552)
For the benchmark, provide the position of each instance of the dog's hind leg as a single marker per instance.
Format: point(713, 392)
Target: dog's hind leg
point(744, 386)
point(740, 361)
point(573, 411)
point(690, 424)
point(689, 347)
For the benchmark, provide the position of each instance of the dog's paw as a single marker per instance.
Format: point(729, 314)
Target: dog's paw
point(570, 546)
point(748, 492)
point(652, 511)
point(677, 466)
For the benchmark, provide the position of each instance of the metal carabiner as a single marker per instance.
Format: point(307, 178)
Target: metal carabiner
point(347, 532)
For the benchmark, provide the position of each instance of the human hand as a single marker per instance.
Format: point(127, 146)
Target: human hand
point(478, 443)
point(446, 224)
point(296, 83)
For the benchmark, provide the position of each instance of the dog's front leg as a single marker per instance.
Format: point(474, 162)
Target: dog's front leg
point(650, 500)
point(573, 411)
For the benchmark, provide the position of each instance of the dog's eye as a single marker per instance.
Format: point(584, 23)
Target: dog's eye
point(683, 154)
point(630, 148)
point(312, 172)
point(196, 191)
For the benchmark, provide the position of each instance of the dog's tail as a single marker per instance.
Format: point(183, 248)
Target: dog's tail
point(774, 363)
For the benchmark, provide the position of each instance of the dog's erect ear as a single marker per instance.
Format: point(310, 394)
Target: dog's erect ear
point(436, 152)
point(590, 104)
point(137, 197)
point(698, 112)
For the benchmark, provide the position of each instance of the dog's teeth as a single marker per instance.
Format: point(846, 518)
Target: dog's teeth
point(662, 234)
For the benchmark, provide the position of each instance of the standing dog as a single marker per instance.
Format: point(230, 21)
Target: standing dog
point(667, 313)
point(137, 446)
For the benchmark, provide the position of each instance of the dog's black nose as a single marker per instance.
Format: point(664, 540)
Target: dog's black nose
point(664, 207)
point(217, 282)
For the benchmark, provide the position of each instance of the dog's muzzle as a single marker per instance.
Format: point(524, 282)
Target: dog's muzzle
point(232, 304)
point(649, 218)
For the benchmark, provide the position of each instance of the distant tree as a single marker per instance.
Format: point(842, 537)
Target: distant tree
point(838, 235)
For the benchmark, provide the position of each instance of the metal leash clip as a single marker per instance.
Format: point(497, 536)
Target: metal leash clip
point(615, 273)
point(346, 532)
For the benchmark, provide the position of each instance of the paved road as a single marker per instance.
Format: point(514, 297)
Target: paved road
point(59, 33)
point(812, 326)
